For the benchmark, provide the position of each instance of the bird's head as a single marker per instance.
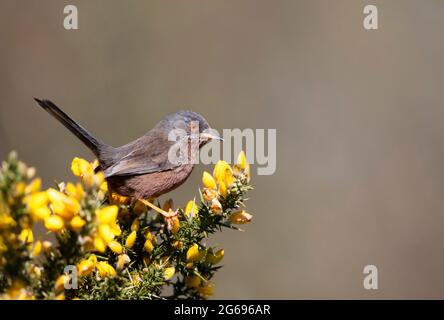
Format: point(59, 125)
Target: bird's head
point(193, 125)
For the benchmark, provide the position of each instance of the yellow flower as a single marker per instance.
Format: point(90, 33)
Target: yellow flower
point(215, 258)
point(222, 189)
point(240, 217)
point(40, 213)
point(36, 200)
point(193, 281)
point(105, 269)
point(193, 253)
point(106, 233)
point(129, 243)
point(242, 166)
point(148, 246)
point(168, 273)
point(208, 180)
point(242, 160)
point(115, 247)
point(81, 167)
point(86, 266)
point(191, 210)
point(6, 221)
point(20, 188)
point(34, 186)
point(60, 283)
point(75, 191)
point(63, 205)
point(54, 223)
point(26, 236)
point(77, 223)
point(135, 225)
point(99, 244)
point(37, 248)
point(223, 173)
point(107, 215)
point(104, 187)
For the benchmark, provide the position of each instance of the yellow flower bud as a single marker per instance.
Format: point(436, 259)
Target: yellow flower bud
point(222, 189)
point(208, 180)
point(215, 258)
point(107, 215)
point(99, 244)
point(115, 229)
point(54, 223)
point(115, 247)
point(241, 160)
point(240, 217)
point(129, 243)
point(37, 248)
point(168, 273)
point(77, 223)
point(6, 221)
point(148, 246)
point(191, 210)
point(105, 269)
point(26, 236)
point(193, 253)
point(223, 172)
point(60, 283)
point(80, 167)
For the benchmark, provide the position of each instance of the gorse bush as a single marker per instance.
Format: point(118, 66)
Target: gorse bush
point(107, 246)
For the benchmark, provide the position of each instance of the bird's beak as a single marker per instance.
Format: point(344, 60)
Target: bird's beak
point(210, 136)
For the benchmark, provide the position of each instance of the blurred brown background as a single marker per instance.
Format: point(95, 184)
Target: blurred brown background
point(359, 119)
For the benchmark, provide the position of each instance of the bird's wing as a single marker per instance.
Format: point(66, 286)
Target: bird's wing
point(147, 154)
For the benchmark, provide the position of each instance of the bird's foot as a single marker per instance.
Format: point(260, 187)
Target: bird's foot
point(159, 210)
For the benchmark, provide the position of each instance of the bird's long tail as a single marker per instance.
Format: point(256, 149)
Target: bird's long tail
point(92, 143)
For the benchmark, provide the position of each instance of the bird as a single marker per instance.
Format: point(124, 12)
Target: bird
point(143, 168)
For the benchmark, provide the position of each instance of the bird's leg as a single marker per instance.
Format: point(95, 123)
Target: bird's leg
point(156, 208)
